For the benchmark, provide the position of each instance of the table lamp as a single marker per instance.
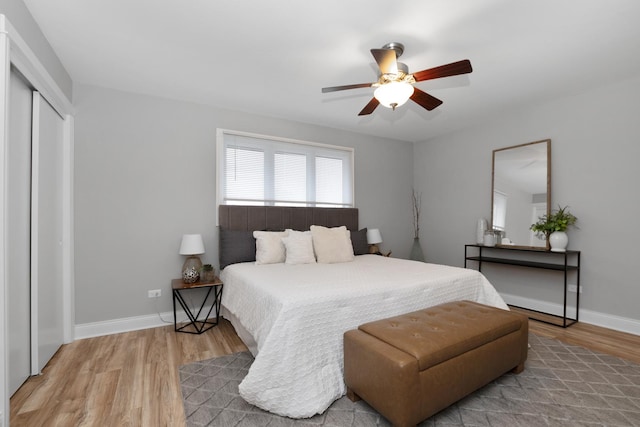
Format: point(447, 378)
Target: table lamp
point(192, 246)
point(373, 238)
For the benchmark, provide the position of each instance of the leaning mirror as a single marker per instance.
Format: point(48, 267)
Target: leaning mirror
point(521, 192)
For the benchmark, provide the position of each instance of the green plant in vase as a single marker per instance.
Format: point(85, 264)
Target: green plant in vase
point(553, 227)
point(208, 273)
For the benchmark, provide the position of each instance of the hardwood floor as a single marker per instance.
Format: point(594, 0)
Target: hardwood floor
point(620, 344)
point(128, 379)
point(131, 379)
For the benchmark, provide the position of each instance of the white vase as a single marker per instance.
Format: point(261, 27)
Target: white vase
point(480, 229)
point(558, 241)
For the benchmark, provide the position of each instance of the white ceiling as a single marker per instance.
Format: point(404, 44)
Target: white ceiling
point(273, 57)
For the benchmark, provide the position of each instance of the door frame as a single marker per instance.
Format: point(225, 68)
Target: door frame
point(14, 50)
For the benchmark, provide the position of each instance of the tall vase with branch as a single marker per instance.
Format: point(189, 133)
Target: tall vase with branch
point(416, 249)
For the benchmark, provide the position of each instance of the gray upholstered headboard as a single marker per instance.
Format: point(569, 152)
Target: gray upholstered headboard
point(237, 224)
point(250, 218)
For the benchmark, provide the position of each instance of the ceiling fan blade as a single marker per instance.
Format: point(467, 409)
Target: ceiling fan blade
point(368, 109)
point(453, 69)
point(424, 99)
point(386, 59)
point(345, 87)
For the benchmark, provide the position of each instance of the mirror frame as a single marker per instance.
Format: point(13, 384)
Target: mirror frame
point(493, 172)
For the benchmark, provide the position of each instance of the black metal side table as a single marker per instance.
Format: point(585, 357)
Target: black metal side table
point(196, 325)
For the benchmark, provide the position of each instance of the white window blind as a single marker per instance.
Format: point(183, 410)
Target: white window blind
point(329, 180)
point(244, 176)
point(262, 170)
point(290, 178)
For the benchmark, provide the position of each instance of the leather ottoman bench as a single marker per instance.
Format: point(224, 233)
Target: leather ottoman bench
point(412, 366)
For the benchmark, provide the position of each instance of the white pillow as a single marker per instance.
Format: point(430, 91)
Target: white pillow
point(269, 247)
point(332, 245)
point(299, 248)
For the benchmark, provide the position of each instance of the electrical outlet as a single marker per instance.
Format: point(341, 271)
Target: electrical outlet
point(154, 293)
point(574, 288)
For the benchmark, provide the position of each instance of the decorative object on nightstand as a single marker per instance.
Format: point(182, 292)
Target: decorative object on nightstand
point(373, 238)
point(416, 249)
point(554, 227)
point(208, 273)
point(192, 246)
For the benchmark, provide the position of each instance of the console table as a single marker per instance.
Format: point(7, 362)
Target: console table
point(564, 262)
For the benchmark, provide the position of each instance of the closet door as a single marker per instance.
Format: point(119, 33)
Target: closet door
point(18, 240)
point(47, 328)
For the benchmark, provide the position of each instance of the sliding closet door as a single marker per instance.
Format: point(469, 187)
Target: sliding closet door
point(18, 248)
point(47, 328)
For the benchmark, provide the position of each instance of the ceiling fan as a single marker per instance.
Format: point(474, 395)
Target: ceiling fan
point(395, 86)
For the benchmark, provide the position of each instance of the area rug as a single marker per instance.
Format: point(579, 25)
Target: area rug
point(562, 385)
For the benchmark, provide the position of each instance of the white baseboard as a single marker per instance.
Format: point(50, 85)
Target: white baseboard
point(610, 321)
point(128, 324)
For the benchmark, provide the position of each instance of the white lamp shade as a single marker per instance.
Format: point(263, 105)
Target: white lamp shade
point(393, 94)
point(373, 236)
point(192, 244)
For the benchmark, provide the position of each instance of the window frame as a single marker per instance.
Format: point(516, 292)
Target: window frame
point(304, 147)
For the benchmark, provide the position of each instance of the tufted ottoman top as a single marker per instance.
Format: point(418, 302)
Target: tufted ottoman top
point(440, 333)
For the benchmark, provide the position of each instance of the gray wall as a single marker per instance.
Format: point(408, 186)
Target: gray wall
point(595, 150)
point(21, 19)
point(145, 175)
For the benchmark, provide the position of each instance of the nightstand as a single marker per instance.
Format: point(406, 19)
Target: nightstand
point(213, 296)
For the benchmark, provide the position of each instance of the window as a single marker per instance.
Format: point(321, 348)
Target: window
point(328, 180)
point(261, 170)
point(244, 174)
point(289, 178)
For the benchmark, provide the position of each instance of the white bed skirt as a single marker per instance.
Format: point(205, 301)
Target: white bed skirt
point(244, 335)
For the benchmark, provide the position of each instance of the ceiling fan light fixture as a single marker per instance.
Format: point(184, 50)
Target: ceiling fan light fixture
point(395, 85)
point(393, 94)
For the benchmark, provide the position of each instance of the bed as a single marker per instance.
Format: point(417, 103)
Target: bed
point(292, 317)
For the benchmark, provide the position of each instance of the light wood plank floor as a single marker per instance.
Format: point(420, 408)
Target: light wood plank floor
point(131, 379)
point(128, 379)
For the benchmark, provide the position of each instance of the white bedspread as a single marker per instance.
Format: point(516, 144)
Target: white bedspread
point(298, 314)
